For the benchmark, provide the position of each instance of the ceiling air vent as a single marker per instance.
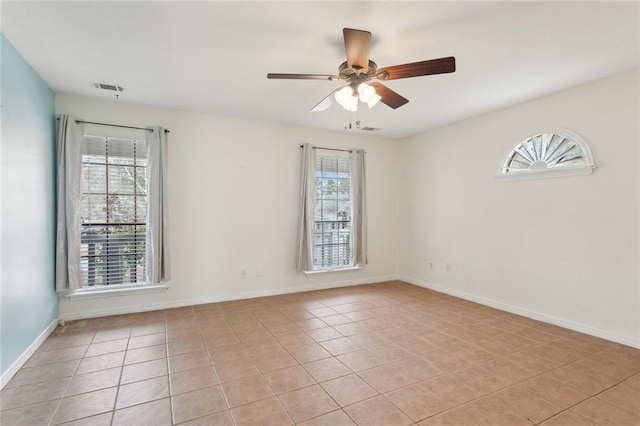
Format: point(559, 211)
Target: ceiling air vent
point(112, 87)
point(371, 129)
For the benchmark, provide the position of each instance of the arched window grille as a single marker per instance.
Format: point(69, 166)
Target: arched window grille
point(547, 153)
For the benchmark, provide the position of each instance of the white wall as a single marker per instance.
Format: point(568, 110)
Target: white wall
point(563, 249)
point(233, 198)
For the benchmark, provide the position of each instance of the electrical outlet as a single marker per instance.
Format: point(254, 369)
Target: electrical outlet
point(243, 273)
point(431, 266)
point(447, 267)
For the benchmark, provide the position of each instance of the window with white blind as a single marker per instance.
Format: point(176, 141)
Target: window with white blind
point(113, 205)
point(332, 243)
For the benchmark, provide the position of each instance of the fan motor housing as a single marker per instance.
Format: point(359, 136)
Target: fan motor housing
point(357, 75)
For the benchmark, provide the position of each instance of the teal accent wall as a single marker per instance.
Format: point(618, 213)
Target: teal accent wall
point(28, 301)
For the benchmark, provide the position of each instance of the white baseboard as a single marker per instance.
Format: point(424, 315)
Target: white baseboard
point(592, 331)
point(116, 310)
point(24, 357)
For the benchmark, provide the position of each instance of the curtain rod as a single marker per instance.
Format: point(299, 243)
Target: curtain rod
point(116, 125)
point(330, 149)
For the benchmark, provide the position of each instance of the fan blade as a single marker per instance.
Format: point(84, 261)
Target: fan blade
point(389, 97)
point(357, 44)
point(416, 69)
point(325, 103)
point(302, 76)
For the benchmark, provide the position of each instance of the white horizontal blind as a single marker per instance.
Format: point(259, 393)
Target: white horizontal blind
point(114, 200)
point(332, 244)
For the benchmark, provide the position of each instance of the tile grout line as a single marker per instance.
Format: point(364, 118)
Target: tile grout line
point(298, 328)
point(513, 385)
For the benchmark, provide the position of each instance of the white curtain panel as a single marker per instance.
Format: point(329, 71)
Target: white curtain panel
point(359, 208)
point(69, 144)
point(306, 217)
point(157, 244)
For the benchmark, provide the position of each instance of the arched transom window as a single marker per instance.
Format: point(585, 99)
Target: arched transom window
point(547, 153)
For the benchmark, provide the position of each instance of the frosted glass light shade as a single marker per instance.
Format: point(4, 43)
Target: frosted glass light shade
point(368, 94)
point(342, 96)
point(374, 100)
point(346, 98)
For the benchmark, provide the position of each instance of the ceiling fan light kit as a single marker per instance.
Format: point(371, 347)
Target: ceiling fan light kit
point(368, 95)
point(348, 98)
point(359, 69)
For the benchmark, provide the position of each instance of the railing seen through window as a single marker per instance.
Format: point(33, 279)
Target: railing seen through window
point(114, 200)
point(332, 246)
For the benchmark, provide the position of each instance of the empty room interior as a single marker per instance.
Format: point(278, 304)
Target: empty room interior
point(320, 213)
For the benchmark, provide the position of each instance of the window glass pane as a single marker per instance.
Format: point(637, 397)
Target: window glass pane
point(114, 189)
point(344, 188)
point(122, 208)
point(344, 166)
point(120, 161)
point(332, 211)
point(329, 187)
point(94, 208)
point(544, 151)
point(344, 210)
point(94, 178)
point(122, 180)
point(141, 209)
point(328, 210)
point(123, 151)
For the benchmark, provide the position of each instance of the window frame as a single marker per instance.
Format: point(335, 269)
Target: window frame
point(86, 291)
point(319, 152)
point(70, 141)
point(100, 291)
point(105, 166)
point(551, 172)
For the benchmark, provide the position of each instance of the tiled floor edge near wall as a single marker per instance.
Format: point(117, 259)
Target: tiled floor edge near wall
point(73, 316)
point(390, 353)
point(18, 363)
point(24, 357)
point(560, 322)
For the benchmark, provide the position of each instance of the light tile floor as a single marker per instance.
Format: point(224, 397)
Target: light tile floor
point(385, 354)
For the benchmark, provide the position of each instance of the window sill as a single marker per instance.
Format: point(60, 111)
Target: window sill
point(546, 173)
point(124, 290)
point(322, 271)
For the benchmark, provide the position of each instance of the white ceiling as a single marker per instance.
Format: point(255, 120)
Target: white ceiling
point(214, 56)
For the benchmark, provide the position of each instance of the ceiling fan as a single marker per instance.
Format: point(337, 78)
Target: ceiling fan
point(358, 70)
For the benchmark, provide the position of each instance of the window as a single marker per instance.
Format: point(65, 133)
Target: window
point(548, 153)
point(113, 211)
point(111, 231)
point(332, 222)
point(332, 225)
